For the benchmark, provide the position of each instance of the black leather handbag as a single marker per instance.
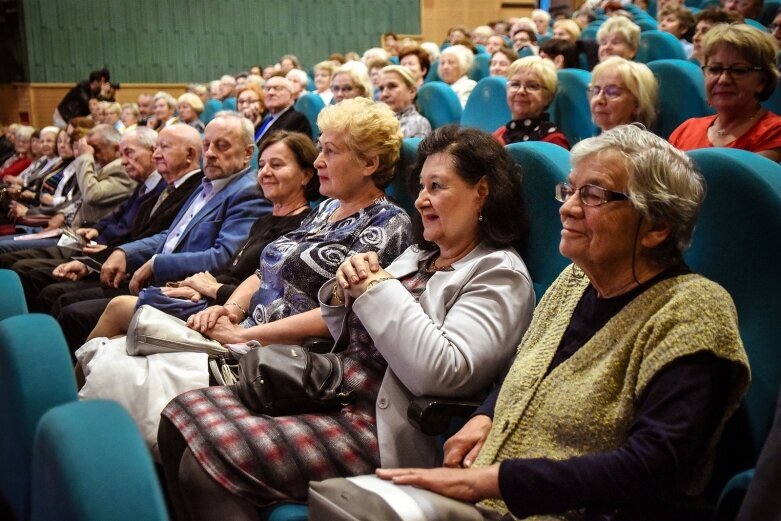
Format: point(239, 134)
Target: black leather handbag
point(282, 380)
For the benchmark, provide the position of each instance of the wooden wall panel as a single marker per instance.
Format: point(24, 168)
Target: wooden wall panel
point(198, 40)
point(438, 16)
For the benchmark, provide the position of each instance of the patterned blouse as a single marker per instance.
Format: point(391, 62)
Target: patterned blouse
point(413, 124)
point(293, 267)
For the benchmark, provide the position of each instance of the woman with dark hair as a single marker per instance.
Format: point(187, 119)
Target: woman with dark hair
point(461, 300)
point(417, 61)
point(563, 53)
point(286, 178)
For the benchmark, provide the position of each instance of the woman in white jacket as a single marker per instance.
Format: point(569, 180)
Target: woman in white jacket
point(443, 319)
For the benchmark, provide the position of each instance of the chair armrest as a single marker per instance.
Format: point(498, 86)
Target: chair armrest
point(433, 416)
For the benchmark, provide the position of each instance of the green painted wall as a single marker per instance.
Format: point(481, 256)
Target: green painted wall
point(197, 40)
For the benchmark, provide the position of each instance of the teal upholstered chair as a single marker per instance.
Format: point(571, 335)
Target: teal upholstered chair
point(433, 72)
point(439, 104)
point(754, 23)
point(736, 245)
point(13, 301)
point(543, 165)
point(479, 68)
point(769, 10)
point(570, 107)
point(682, 94)
point(486, 107)
point(658, 45)
point(773, 103)
point(399, 188)
point(90, 464)
point(36, 374)
point(310, 105)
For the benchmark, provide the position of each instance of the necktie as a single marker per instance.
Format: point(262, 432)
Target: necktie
point(163, 196)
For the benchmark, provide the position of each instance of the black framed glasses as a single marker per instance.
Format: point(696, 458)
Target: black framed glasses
point(590, 195)
point(736, 71)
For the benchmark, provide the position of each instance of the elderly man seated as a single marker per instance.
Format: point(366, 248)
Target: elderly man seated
point(281, 114)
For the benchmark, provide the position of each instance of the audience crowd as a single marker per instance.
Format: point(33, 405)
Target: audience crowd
point(223, 207)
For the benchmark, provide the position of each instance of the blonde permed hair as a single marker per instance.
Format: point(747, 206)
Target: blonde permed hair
point(622, 25)
point(369, 129)
point(638, 80)
point(544, 69)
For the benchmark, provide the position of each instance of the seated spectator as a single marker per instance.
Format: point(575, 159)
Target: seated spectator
point(112, 115)
point(622, 92)
point(280, 114)
point(456, 33)
point(563, 53)
point(130, 116)
point(417, 61)
point(203, 237)
point(567, 30)
point(588, 422)
point(37, 187)
point(397, 90)
point(432, 49)
point(164, 106)
point(496, 42)
point(7, 135)
point(390, 43)
point(480, 34)
point(299, 80)
point(751, 9)
point(323, 72)
point(541, 20)
point(288, 62)
point(22, 156)
point(454, 65)
point(228, 92)
point(427, 346)
point(618, 36)
point(374, 67)
point(678, 21)
point(250, 102)
point(740, 72)
point(775, 27)
point(501, 61)
point(349, 81)
point(145, 108)
point(706, 19)
point(531, 85)
point(48, 160)
point(189, 107)
point(287, 179)
point(525, 38)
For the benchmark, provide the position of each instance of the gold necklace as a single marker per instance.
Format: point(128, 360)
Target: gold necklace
point(432, 266)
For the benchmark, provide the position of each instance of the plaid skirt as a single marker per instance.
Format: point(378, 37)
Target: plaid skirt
point(266, 459)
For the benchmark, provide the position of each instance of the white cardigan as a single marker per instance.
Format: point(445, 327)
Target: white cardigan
point(455, 342)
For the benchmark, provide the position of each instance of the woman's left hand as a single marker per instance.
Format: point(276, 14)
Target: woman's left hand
point(203, 282)
point(463, 484)
point(182, 292)
point(356, 273)
point(226, 332)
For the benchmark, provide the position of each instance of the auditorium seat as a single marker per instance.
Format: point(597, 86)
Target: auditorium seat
point(479, 68)
point(439, 104)
point(400, 188)
point(310, 105)
point(36, 374)
point(570, 107)
point(681, 94)
point(486, 107)
point(13, 301)
point(91, 464)
point(658, 45)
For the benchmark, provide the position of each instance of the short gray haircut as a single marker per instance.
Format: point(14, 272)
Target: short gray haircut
point(170, 100)
point(146, 137)
point(464, 56)
point(664, 185)
point(107, 134)
point(247, 128)
point(54, 130)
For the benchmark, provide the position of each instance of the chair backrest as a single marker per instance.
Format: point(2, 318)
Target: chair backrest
point(310, 105)
point(591, 30)
point(756, 24)
point(439, 104)
point(773, 103)
point(479, 68)
point(399, 188)
point(570, 107)
point(769, 10)
point(736, 245)
point(90, 463)
point(36, 374)
point(658, 45)
point(682, 94)
point(433, 72)
point(543, 165)
point(13, 301)
point(486, 107)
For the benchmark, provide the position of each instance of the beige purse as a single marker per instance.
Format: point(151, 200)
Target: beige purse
point(152, 331)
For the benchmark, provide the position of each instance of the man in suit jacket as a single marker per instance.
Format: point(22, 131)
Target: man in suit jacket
point(140, 156)
point(203, 236)
point(281, 114)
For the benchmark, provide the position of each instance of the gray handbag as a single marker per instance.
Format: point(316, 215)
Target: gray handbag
point(152, 331)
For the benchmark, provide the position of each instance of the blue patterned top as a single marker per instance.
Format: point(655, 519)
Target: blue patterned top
point(295, 266)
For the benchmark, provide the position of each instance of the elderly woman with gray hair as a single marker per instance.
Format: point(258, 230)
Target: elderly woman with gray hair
point(454, 65)
point(632, 364)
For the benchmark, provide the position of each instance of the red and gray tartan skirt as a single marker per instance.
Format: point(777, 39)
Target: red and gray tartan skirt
point(266, 459)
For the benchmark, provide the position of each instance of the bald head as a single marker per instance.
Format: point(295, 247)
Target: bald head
point(178, 151)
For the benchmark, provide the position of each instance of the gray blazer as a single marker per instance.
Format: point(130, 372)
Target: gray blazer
point(455, 342)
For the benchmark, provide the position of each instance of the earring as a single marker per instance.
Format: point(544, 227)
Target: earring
point(480, 216)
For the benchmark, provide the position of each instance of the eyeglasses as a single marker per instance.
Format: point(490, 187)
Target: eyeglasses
point(532, 86)
point(274, 88)
point(773, 27)
point(610, 91)
point(247, 102)
point(342, 88)
point(736, 72)
point(590, 195)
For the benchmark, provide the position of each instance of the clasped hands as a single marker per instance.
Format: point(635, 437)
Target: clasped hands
point(356, 274)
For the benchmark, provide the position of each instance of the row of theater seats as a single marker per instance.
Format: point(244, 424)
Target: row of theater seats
point(69, 460)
